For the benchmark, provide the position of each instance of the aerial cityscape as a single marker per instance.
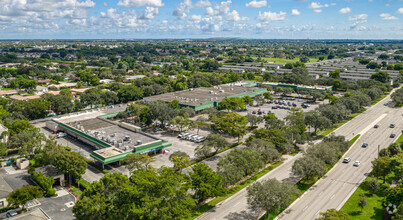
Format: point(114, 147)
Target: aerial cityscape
point(201, 109)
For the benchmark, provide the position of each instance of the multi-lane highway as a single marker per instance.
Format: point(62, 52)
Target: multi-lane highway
point(343, 179)
point(334, 189)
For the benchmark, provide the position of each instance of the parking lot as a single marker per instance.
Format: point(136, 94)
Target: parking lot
point(59, 207)
point(281, 110)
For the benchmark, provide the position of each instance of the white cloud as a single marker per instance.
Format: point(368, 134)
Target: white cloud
point(316, 5)
point(295, 12)
point(345, 10)
point(358, 17)
point(140, 3)
point(317, 10)
point(271, 16)
point(105, 4)
point(196, 17)
point(234, 16)
point(183, 9)
point(219, 9)
point(256, 4)
point(149, 13)
point(400, 10)
point(203, 3)
point(387, 17)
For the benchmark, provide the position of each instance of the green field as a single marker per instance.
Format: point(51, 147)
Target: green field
point(373, 209)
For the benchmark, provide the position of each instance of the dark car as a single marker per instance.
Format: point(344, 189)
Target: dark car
point(259, 112)
point(392, 135)
point(376, 126)
point(364, 145)
point(274, 107)
point(392, 125)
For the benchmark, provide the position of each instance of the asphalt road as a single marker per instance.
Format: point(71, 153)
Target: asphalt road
point(236, 206)
point(334, 189)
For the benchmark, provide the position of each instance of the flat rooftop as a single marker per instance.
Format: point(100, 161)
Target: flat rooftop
point(198, 96)
point(112, 133)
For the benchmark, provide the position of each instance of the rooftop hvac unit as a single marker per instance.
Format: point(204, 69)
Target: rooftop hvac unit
point(113, 135)
point(120, 145)
point(232, 89)
point(222, 91)
point(127, 138)
point(211, 99)
point(215, 93)
point(125, 148)
point(103, 138)
point(139, 142)
point(114, 141)
point(216, 98)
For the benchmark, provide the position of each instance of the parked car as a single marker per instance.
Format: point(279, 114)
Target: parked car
point(273, 107)
point(346, 160)
point(61, 134)
point(356, 163)
point(11, 213)
point(294, 105)
point(364, 145)
point(182, 135)
point(254, 112)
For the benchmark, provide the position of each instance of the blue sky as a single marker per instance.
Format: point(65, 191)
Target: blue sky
point(262, 19)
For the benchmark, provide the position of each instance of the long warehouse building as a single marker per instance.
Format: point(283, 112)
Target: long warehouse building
point(207, 97)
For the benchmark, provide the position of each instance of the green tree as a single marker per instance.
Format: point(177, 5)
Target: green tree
point(206, 182)
point(381, 76)
point(317, 121)
point(309, 167)
point(253, 119)
point(333, 214)
point(397, 97)
point(232, 103)
point(136, 161)
point(271, 195)
point(22, 195)
point(362, 201)
point(304, 59)
point(271, 121)
point(239, 163)
point(234, 124)
point(381, 167)
point(265, 148)
point(335, 74)
point(71, 163)
point(373, 184)
point(216, 141)
point(180, 160)
point(181, 123)
point(129, 93)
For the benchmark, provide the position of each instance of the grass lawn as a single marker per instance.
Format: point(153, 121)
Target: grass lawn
point(400, 139)
point(352, 141)
point(204, 208)
point(373, 209)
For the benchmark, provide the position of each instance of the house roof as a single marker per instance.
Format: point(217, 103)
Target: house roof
point(8, 92)
point(49, 170)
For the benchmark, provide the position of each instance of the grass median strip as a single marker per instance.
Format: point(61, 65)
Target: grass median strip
point(352, 141)
point(204, 208)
